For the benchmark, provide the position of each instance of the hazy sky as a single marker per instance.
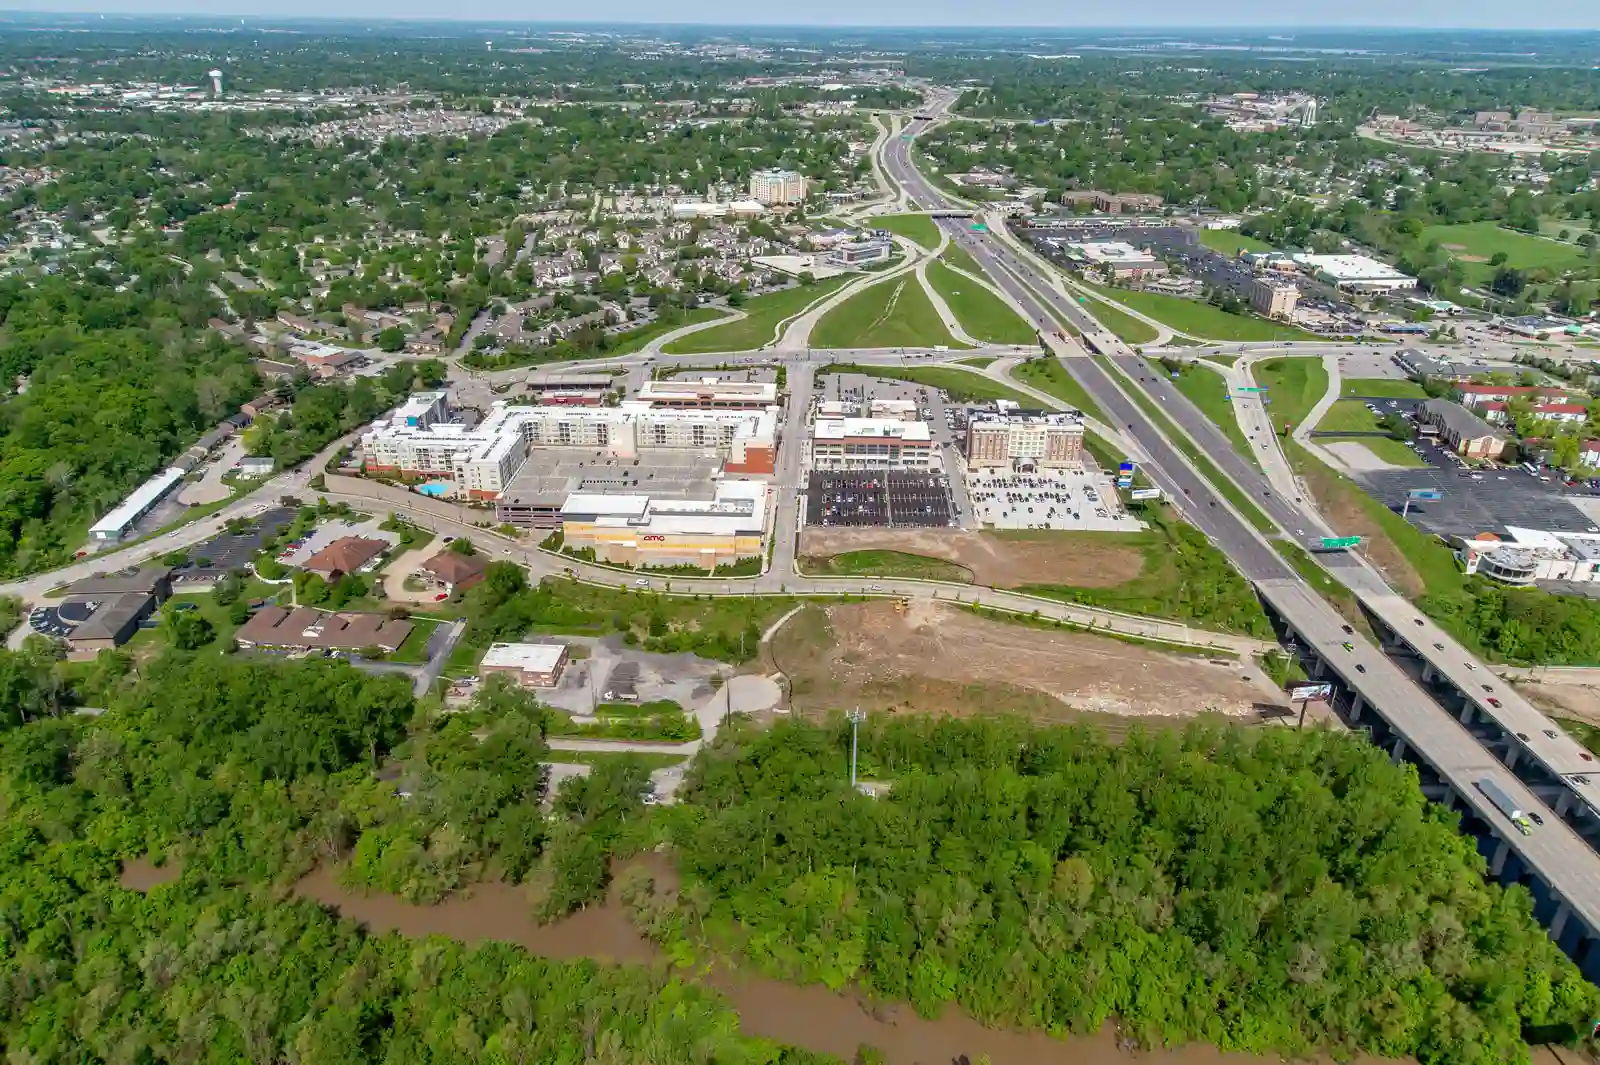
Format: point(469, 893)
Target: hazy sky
point(1432, 14)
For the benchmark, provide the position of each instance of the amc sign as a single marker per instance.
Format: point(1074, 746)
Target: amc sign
point(652, 538)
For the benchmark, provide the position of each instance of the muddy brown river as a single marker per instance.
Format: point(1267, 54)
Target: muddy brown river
point(806, 1016)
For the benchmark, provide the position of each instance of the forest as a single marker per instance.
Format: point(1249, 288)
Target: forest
point(1268, 891)
point(1524, 626)
point(1271, 891)
point(250, 774)
point(114, 384)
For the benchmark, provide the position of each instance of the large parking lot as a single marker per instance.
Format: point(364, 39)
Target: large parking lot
point(946, 421)
point(1479, 500)
point(1048, 499)
point(232, 551)
point(1476, 499)
point(846, 498)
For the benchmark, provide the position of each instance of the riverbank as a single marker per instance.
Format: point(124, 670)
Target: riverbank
point(811, 1017)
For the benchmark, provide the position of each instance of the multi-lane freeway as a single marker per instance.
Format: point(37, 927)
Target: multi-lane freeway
point(1567, 866)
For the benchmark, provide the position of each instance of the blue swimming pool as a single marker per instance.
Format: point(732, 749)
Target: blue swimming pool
point(434, 488)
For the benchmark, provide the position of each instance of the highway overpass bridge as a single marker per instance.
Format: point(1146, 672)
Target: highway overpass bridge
point(1553, 764)
point(1376, 693)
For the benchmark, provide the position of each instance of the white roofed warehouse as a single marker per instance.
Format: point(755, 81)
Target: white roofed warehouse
point(641, 530)
point(117, 521)
point(1355, 273)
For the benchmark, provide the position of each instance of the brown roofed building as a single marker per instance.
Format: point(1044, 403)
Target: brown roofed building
point(345, 555)
point(303, 628)
point(452, 570)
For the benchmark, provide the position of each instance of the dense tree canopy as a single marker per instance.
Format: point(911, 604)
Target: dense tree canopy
point(1266, 891)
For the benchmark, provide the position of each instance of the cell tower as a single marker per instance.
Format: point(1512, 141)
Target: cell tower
point(216, 82)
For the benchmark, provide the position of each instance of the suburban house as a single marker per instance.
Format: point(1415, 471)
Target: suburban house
point(451, 571)
point(345, 555)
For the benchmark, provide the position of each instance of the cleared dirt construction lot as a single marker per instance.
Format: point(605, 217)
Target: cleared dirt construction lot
point(939, 658)
point(1009, 560)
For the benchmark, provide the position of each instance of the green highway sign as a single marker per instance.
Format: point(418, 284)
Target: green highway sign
point(1250, 388)
point(1332, 542)
point(979, 227)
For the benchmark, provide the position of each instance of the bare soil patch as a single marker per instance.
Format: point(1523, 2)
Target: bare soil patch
point(1575, 700)
point(1358, 457)
point(1083, 560)
point(141, 874)
point(936, 658)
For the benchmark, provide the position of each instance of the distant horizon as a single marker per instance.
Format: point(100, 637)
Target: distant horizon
point(933, 16)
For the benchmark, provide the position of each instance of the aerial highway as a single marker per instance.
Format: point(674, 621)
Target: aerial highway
point(1566, 866)
point(1528, 730)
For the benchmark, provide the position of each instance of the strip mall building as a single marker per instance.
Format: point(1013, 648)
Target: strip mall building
point(638, 530)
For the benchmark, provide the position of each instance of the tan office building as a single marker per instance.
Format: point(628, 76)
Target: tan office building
point(1273, 299)
point(1031, 440)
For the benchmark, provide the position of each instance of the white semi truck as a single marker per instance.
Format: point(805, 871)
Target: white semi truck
point(1503, 802)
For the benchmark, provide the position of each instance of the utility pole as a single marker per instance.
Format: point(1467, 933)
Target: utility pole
point(856, 717)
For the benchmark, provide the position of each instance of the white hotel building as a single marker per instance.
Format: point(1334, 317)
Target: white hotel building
point(871, 444)
point(414, 442)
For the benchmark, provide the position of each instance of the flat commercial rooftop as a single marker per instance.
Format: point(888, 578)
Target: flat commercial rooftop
point(139, 500)
point(551, 474)
point(529, 657)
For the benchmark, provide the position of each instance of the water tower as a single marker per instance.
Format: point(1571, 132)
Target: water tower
point(216, 82)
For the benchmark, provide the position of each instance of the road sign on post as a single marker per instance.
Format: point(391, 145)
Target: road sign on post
point(1420, 495)
point(1335, 543)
